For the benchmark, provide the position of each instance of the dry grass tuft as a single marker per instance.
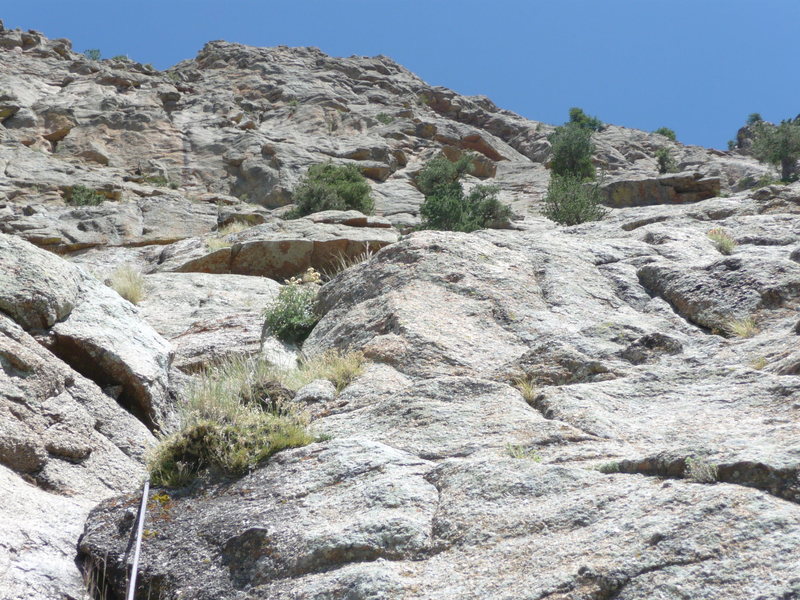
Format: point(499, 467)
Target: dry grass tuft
point(128, 283)
point(343, 262)
point(218, 241)
point(527, 387)
point(722, 240)
point(743, 328)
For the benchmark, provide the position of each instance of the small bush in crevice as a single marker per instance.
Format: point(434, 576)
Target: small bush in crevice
point(448, 208)
point(723, 242)
point(331, 187)
point(666, 163)
point(384, 118)
point(291, 316)
point(570, 201)
point(128, 283)
point(81, 195)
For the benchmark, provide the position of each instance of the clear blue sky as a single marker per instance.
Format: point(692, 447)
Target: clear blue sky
point(697, 66)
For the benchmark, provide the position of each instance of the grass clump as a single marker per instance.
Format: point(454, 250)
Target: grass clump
point(448, 208)
point(520, 451)
point(342, 262)
point(570, 201)
point(81, 195)
point(742, 328)
point(239, 413)
point(384, 118)
point(759, 363)
point(527, 387)
point(723, 242)
point(700, 471)
point(128, 283)
point(218, 242)
point(291, 316)
point(332, 187)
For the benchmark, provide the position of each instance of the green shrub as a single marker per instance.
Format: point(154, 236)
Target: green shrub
point(581, 119)
point(754, 118)
point(332, 187)
point(92, 54)
point(81, 195)
point(572, 150)
point(666, 132)
point(384, 118)
point(666, 164)
point(448, 208)
point(291, 317)
point(570, 201)
point(778, 145)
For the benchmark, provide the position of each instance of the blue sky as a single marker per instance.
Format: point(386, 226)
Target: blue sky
point(697, 66)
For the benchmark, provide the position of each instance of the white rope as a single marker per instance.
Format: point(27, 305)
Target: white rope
point(139, 530)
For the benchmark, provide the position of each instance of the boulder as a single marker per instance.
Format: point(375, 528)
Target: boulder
point(675, 188)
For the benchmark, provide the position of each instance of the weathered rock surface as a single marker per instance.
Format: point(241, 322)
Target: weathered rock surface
point(547, 412)
point(89, 326)
point(666, 189)
point(280, 250)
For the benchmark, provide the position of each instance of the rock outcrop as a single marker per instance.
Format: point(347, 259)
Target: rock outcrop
point(608, 410)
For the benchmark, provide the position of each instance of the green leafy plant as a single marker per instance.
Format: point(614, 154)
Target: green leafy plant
point(81, 195)
point(332, 187)
point(666, 163)
point(572, 148)
point(581, 119)
point(722, 240)
point(448, 208)
point(92, 54)
point(291, 317)
point(778, 145)
point(666, 132)
point(384, 118)
point(570, 201)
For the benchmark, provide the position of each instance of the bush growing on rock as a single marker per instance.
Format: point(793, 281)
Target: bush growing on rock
point(572, 149)
point(666, 163)
point(570, 201)
point(581, 119)
point(667, 133)
point(332, 187)
point(447, 207)
point(291, 317)
point(81, 195)
point(778, 145)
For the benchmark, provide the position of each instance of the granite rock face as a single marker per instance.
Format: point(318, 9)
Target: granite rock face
point(609, 410)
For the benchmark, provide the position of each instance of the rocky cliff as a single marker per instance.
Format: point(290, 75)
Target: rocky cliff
point(609, 410)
